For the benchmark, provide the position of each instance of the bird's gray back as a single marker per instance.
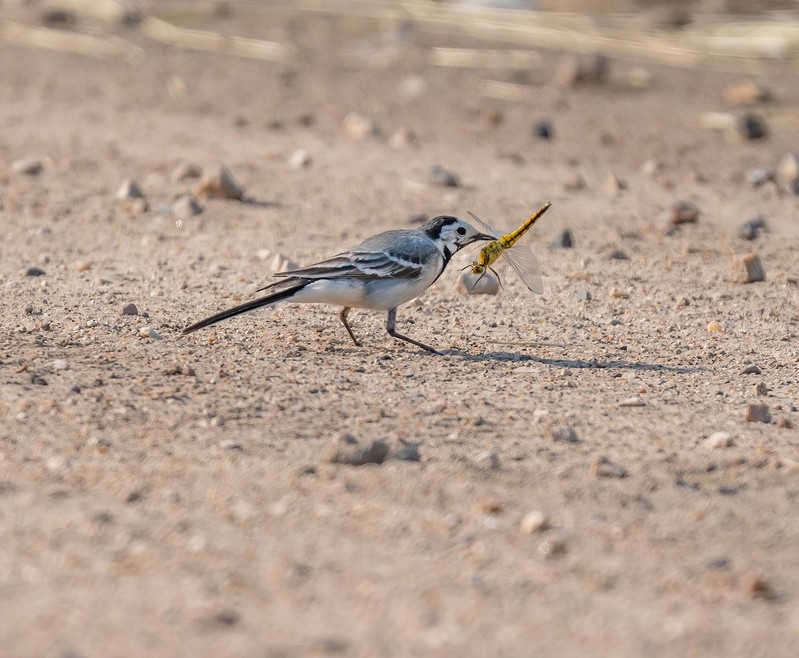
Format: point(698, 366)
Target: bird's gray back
point(409, 245)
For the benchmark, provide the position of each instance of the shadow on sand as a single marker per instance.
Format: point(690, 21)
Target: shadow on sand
point(574, 363)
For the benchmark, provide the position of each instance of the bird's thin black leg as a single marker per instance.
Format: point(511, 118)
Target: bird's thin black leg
point(343, 316)
point(391, 321)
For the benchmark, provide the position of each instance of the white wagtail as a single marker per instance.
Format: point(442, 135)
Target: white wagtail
point(381, 273)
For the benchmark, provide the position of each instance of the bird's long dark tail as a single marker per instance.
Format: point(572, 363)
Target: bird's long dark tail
point(266, 300)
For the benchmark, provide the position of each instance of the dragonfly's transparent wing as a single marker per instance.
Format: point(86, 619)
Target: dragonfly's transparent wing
point(521, 259)
point(526, 265)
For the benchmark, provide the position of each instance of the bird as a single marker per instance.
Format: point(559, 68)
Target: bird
point(383, 272)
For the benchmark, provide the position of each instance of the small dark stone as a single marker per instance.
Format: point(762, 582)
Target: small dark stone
point(583, 296)
point(565, 240)
point(407, 452)
point(134, 496)
point(682, 212)
point(752, 126)
point(542, 130)
point(750, 230)
point(35, 271)
point(437, 175)
point(57, 18)
point(751, 369)
point(618, 254)
point(38, 380)
point(346, 449)
point(718, 563)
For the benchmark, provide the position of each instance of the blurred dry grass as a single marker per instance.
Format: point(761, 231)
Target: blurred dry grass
point(687, 38)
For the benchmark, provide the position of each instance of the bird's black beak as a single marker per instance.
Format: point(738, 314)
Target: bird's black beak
point(482, 237)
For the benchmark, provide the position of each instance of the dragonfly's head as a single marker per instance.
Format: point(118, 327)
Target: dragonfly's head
point(453, 233)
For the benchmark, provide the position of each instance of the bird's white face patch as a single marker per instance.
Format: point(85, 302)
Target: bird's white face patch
point(457, 234)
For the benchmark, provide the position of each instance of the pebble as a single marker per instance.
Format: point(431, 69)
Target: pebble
point(438, 175)
point(27, 166)
point(651, 168)
point(565, 433)
point(759, 176)
point(406, 452)
point(470, 283)
point(604, 468)
point(218, 181)
point(612, 185)
point(138, 207)
point(180, 369)
point(615, 293)
point(55, 464)
point(750, 230)
point(634, 401)
point(185, 170)
point(758, 588)
point(35, 271)
point(583, 296)
point(231, 444)
point(542, 130)
point(553, 546)
point(758, 413)
point(573, 70)
point(751, 369)
point(299, 159)
point(714, 327)
point(745, 92)
point(402, 138)
point(748, 269)
point(129, 189)
point(130, 309)
point(682, 212)
point(346, 449)
point(752, 126)
point(59, 364)
point(359, 126)
point(565, 240)
point(761, 389)
point(573, 181)
point(788, 170)
point(718, 440)
point(243, 511)
point(487, 459)
point(149, 332)
point(618, 254)
point(533, 522)
point(186, 206)
point(277, 262)
point(83, 266)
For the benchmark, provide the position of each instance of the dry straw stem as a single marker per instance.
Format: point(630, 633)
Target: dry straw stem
point(485, 59)
point(72, 42)
point(723, 41)
point(160, 30)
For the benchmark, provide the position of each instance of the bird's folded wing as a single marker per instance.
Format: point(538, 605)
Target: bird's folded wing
point(369, 265)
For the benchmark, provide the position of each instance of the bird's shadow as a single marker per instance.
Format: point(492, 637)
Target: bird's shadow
point(595, 364)
point(260, 203)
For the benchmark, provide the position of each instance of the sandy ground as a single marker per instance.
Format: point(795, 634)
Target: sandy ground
point(172, 496)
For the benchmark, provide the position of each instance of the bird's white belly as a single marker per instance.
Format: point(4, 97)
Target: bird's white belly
point(359, 293)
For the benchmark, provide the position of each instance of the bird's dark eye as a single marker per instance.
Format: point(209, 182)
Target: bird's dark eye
point(461, 230)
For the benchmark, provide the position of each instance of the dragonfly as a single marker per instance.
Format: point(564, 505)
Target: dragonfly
point(521, 259)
